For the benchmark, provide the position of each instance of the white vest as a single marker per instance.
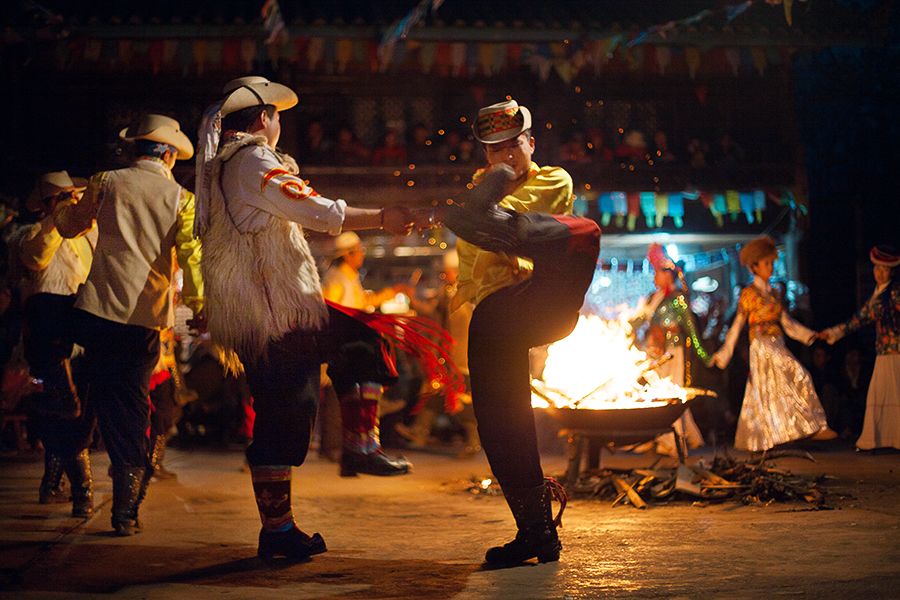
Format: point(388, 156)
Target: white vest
point(131, 275)
point(259, 285)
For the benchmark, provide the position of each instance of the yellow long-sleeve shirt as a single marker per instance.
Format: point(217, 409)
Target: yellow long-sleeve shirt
point(481, 273)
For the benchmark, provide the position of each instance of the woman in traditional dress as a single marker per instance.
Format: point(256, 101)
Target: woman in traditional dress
point(881, 428)
point(780, 402)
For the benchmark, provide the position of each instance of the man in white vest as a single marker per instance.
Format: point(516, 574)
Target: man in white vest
point(264, 300)
point(145, 222)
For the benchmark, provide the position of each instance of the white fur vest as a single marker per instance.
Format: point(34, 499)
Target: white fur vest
point(260, 285)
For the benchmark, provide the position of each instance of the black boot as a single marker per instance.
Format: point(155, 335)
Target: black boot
point(537, 536)
point(128, 490)
point(293, 544)
point(376, 463)
point(156, 459)
point(78, 470)
point(51, 491)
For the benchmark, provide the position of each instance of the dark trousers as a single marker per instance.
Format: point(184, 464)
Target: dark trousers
point(509, 322)
point(284, 383)
point(48, 349)
point(119, 360)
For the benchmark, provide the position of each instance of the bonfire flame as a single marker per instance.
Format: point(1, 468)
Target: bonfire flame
point(598, 367)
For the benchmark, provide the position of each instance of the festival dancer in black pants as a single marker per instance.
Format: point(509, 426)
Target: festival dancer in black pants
point(512, 318)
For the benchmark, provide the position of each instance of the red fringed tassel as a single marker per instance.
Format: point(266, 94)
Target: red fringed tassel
point(421, 338)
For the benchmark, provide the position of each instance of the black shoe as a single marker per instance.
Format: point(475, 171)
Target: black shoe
point(377, 463)
point(78, 470)
point(293, 544)
point(543, 545)
point(537, 537)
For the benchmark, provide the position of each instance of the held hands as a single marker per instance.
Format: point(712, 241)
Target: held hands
point(198, 323)
point(397, 220)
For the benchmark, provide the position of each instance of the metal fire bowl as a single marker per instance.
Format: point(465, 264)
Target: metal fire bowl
point(624, 425)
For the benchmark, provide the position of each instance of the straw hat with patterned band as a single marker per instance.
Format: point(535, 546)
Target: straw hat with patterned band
point(254, 90)
point(161, 129)
point(500, 122)
point(346, 243)
point(757, 249)
point(51, 184)
point(885, 256)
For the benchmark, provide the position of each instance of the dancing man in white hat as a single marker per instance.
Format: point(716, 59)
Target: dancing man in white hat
point(142, 215)
point(264, 300)
point(360, 433)
point(55, 268)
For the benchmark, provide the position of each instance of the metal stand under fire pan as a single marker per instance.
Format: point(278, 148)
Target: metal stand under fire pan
point(589, 431)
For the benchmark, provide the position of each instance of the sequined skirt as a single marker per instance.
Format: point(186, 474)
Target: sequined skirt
point(780, 402)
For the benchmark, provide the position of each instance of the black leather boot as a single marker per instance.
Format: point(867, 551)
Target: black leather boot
point(128, 489)
point(78, 470)
point(376, 463)
point(293, 544)
point(537, 537)
point(51, 490)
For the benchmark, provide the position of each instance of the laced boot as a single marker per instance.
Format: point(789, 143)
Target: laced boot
point(78, 470)
point(156, 459)
point(279, 535)
point(128, 491)
point(51, 490)
point(536, 536)
point(362, 451)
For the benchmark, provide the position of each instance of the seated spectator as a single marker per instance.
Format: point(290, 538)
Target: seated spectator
point(468, 152)
point(574, 151)
point(448, 151)
point(728, 153)
point(319, 149)
point(391, 151)
point(633, 147)
point(349, 150)
point(661, 151)
point(853, 383)
point(597, 150)
point(421, 150)
point(697, 151)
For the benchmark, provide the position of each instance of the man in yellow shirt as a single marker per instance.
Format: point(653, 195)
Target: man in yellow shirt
point(526, 265)
point(55, 268)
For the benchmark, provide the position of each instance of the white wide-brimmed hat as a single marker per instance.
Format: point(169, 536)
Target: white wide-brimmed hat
point(500, 122)
point(346, 242)
point(162, 129)
point(51, 184)
point(254, 90)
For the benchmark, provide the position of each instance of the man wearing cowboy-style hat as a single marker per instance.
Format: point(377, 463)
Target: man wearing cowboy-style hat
point(360, 439)
point(145, 221)
point(265, 307)
point(55, 268)
point(525, 264)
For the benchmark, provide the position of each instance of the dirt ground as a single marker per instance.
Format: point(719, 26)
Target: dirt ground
point(423, 536)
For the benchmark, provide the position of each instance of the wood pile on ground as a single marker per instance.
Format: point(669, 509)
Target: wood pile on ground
point(756, 482)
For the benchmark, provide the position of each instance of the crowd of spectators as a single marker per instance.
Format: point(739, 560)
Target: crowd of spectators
point(419, 145)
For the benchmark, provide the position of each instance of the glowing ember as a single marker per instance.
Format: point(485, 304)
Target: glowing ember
point(598, 367)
